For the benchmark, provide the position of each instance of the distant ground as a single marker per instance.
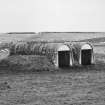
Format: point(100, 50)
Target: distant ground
point(95, 40)
point(4, 37)
point(52, 36)
point(67, 36)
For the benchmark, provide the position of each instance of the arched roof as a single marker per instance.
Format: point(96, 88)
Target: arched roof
point(86, 46)
point(63, 48)
point(57, 46)
point(82, 45)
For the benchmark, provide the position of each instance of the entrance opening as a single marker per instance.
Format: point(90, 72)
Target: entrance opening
point(86, 56)
point(64, 58)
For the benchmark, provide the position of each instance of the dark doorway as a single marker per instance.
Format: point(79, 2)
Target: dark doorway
point(86, 57)
point(64, 58)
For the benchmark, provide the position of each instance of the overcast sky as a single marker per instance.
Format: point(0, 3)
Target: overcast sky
point(52, 15)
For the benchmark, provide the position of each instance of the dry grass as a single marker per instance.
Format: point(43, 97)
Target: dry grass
point(20, 84)
point(26, 62)
point(65, 87)
point(66, 36)
point(72, 86)
point(71, 36)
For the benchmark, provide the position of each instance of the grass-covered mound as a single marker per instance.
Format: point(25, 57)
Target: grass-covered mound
point(26, 62)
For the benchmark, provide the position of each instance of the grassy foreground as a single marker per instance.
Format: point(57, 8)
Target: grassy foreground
point(69, 86)
point(35, 63)
point(26, 63)
point(79, 86)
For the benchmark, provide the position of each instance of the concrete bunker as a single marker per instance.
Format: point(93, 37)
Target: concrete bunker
point(58, 53)
point(83, 53)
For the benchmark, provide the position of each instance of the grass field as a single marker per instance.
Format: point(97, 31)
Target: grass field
point(4, 37)
point(52, 36)
point(33, 80)
point(60, 88)
point(70, 86)
point(67, 36)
